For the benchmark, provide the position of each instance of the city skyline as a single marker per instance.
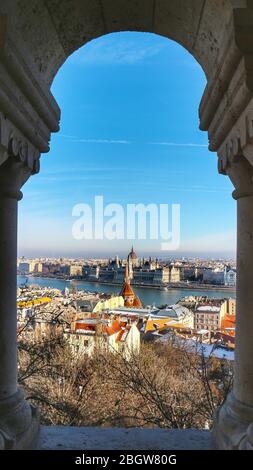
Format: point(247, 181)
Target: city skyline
point(129, 131)
point(123, 256)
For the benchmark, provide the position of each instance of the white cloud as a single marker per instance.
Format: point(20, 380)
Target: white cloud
point(123, 51)
point(76, 139)
point(66, 136)
point(179, 144)
point(100, 141)
point(81, 169)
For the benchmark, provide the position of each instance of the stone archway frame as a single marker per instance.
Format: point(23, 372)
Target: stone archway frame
point(34, 42)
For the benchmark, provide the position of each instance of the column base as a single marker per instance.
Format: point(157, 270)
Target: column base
point(233, 425)
point(19, 423)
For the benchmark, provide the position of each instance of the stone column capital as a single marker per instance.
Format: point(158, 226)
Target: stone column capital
point(240, 172)
point(235, 155)
point(19, 159)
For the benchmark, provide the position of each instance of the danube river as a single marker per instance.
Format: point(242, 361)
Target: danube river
point(148, 296)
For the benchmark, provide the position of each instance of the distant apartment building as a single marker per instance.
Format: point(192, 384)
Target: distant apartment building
point(187, 272)
point(231, 306)
point(150, 276)
point(213, 276)
point(218, 276)
point(38, 268)
point(91, 334)
point(91, 272)
point(27, 267)
point(210, 314)
point(198, 273)
point(230, 277)
point(76, 270)
point(174, 274)
point(46, 267)
point(208, 317)
point(24, 268)
point(51, 268)
point(65, 269)
point(162, 275)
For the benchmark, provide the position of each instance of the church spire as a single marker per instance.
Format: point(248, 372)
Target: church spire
point(129, 296)
point(126, 273)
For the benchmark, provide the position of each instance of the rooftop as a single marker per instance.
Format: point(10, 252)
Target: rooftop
point(208, 308)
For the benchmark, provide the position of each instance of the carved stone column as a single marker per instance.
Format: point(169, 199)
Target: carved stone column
point(28, 115)
point(233, 428)
point(18, 419)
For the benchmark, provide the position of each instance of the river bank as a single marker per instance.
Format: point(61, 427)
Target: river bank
point(181, 285)
point(148, 295)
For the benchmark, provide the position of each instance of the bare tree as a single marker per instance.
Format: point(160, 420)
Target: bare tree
point(163, 386)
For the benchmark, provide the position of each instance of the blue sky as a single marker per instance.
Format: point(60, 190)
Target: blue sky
point(129, 132)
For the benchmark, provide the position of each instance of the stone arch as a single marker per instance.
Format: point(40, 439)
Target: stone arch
point(49, 32)
point(35, 40)
point(200, 26)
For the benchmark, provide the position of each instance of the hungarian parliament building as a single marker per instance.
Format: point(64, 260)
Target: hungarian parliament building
point(140, 271)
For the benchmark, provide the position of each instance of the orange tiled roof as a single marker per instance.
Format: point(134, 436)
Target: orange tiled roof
point(137, 303)
point(83, 315)
point(130, 298)
point(84, 326)
point(158, 323)
point(120, 335)
point(228, 321)
point(114, 328)
point(126, 290)
point(123, 331)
